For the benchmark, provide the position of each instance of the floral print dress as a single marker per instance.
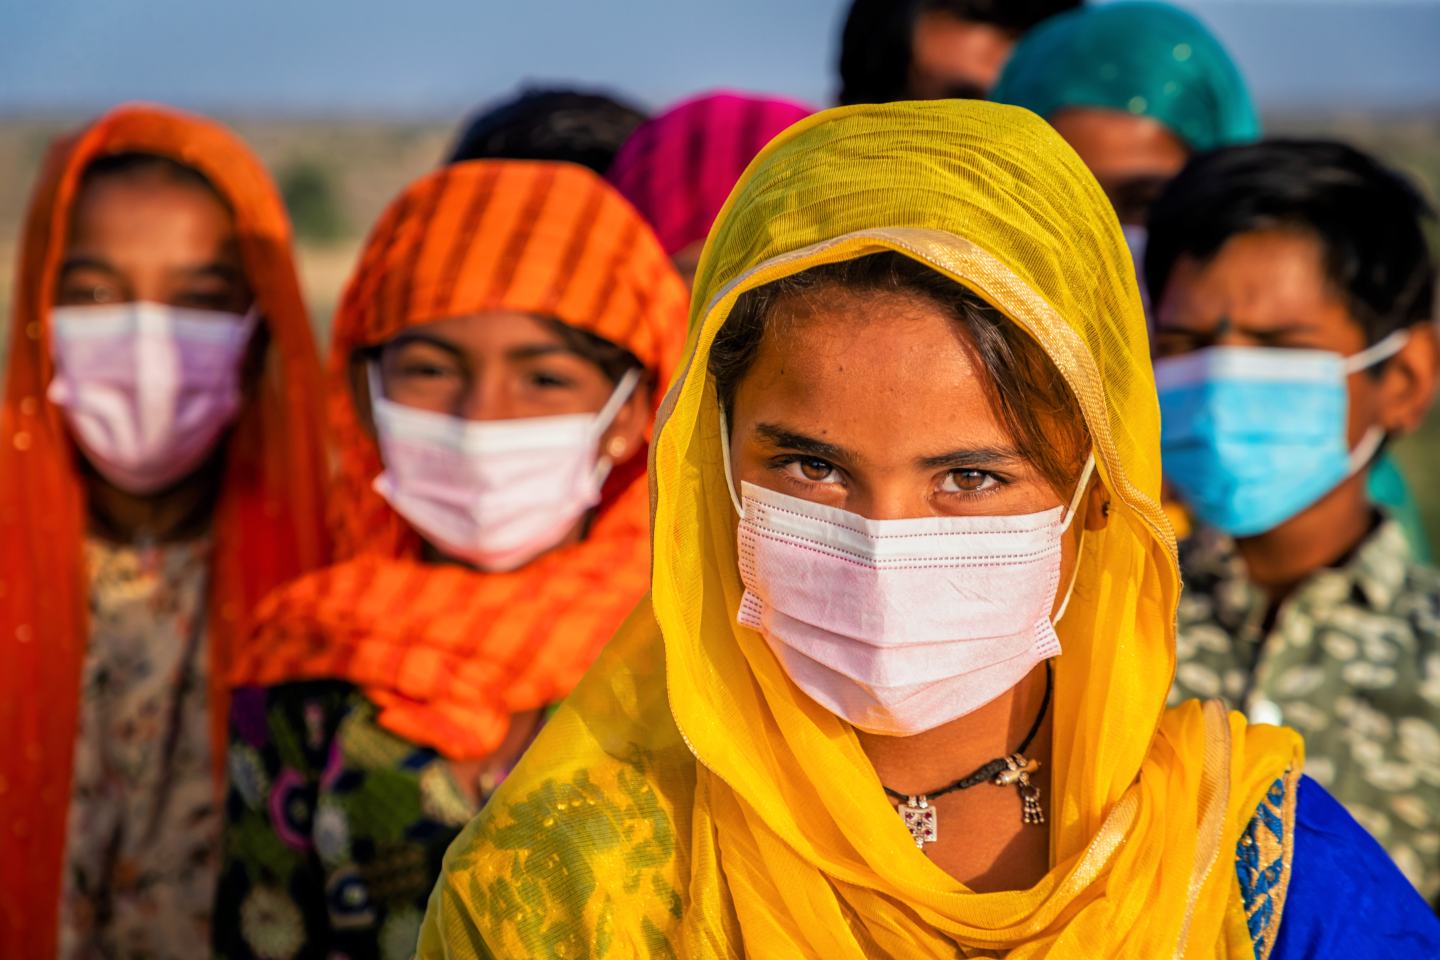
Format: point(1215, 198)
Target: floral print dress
point(335, 828)
point(143, 828)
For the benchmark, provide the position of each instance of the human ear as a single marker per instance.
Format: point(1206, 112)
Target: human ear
point(359, 377)
point(1097, 506)
point(627, 431)
point(1407, 384)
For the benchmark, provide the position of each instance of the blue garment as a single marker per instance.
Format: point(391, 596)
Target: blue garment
point(1346, 898)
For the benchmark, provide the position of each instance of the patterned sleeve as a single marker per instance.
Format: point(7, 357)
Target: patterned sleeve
point(271, 900)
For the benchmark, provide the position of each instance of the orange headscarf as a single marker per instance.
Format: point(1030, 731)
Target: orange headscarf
point(267, 527)
point(448, 654)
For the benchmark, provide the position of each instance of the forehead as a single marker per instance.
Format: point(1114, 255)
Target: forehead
point(894, 367)
point(149, 214)
point(942, 39)
point(1113, 143)
point(482, 332)
point(1260, 277)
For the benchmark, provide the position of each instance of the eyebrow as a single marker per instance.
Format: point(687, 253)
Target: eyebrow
point(1225, 324)
point(536, 350)
point(528, 352)
point(86, 263)
point(221, 271)
point(793, 440)
point(974, 458)
point(409, 337)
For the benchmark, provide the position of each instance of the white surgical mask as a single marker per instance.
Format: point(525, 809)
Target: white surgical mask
point(147, 389)
point(899, 626)
point(494, 493)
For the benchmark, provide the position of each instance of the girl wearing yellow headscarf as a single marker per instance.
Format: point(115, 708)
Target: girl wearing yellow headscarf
point(908, 558)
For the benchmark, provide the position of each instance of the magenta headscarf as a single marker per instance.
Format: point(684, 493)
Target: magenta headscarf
point(679, 168)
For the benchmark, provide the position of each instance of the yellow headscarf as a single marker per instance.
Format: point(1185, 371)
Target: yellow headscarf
point(690, 801)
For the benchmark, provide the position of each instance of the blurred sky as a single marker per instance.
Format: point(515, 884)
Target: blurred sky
point(435, 57)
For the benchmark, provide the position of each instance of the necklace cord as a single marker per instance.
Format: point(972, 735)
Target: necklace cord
point(988, 772)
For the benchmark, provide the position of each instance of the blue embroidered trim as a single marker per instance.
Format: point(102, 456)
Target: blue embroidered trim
point(1262, 863)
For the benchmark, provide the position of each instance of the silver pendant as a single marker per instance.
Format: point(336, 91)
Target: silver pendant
point(1017, 773)
point(919, 819)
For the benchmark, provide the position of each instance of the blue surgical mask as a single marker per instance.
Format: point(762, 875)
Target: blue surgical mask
point(1251, 436)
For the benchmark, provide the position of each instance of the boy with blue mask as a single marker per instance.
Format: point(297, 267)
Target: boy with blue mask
point(1294, 335)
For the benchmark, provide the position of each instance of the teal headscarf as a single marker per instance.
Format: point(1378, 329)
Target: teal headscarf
point(1149, 59)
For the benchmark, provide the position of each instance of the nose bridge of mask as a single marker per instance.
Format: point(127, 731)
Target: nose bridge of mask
point(394, 418)
point(602, 418)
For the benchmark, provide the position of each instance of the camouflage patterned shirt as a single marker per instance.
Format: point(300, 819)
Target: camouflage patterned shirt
point(1352, 661)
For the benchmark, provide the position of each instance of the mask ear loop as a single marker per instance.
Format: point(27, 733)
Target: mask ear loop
point(1079, 494)
point(607, 415)
point(1369, 444)
point(1378, 352)
point(725, 458)
point(1074, 508)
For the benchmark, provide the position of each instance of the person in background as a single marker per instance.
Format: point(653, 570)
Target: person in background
point(496, 364)
point(564, 125)
point(932, 49)
point(1295, 334)
point(161, 470)
point(1137, 88)
point(678, 169)
point(918, 382)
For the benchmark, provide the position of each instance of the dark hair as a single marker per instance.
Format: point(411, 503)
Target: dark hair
point(875, 42)
point(571, 126)
point(139, 164)
point(1026, 390)
point(1368, 219)
point(613, 360)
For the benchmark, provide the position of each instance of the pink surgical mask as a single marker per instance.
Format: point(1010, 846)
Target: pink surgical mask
point(147, 389)
point(494, 493)
point(899, 626)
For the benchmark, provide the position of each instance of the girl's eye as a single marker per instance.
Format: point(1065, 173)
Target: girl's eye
point(423, 371)
point(206, 300)
point(813, 471)
point(968, 481)
point(548, 381)
point(85, 294)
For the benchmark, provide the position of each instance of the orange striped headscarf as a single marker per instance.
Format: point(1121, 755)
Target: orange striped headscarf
point(268, 525)
point(446, 653)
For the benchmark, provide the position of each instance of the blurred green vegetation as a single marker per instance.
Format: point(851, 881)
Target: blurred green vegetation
point(310, 194)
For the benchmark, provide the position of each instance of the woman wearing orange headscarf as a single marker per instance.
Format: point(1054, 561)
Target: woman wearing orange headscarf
point(160, 471)
point(495, 368)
